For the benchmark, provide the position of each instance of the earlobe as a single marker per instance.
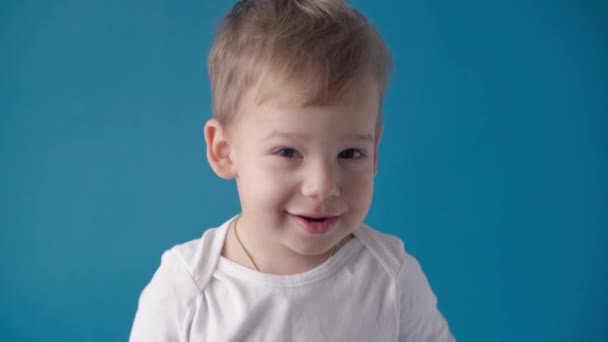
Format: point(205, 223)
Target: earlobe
point(377, 143)
point(218, 149)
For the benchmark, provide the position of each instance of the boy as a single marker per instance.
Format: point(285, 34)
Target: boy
point(297, 87)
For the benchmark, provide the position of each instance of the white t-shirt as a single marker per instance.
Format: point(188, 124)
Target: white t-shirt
point(370, 290)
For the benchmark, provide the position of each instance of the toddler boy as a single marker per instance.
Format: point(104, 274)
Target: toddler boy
point(297, 88)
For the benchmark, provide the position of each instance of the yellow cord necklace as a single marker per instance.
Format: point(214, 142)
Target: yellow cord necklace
point(331, 253)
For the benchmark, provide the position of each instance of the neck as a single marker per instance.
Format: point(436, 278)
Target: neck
point(268, 256)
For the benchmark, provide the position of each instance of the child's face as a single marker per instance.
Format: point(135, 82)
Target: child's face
point(305, 174)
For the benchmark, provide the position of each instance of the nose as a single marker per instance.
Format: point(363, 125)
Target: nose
point(320, 181)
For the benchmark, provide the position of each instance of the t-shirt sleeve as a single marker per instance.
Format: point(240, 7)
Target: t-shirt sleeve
point(420, 319)
point(164, 312)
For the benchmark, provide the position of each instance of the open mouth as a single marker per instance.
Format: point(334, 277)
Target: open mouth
point(315, 219)
point(316, 225)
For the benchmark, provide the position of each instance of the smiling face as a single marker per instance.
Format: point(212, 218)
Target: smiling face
point(304, 173)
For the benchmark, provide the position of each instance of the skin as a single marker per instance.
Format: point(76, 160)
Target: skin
point(291, 160)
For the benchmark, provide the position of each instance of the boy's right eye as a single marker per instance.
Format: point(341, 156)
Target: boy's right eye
point(287, 153)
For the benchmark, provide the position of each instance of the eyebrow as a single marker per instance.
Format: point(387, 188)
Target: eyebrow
point(301, 136)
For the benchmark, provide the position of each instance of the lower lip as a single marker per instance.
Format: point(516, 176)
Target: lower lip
point(314, 227)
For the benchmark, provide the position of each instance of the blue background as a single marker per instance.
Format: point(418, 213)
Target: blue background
point(492, 168)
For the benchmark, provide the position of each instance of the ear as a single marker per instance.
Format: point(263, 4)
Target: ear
point(218, 149)
point(377, 142)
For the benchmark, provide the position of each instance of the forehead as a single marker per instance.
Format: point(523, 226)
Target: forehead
point(313, 90)
point(291, 105)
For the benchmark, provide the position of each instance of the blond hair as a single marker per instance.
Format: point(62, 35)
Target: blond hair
point(325, 46)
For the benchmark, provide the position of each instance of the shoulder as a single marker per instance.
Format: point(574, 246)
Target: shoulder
point(198, 257)
point(189, 262)
point(403, 268)
point(420, 319)
point(166, 303)
point(388, 249)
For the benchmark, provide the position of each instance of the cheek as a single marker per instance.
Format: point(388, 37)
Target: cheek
point(359, 189)
point(264, 188)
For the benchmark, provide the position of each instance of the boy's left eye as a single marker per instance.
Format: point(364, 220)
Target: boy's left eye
point(288, 153)
point(351, 153)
